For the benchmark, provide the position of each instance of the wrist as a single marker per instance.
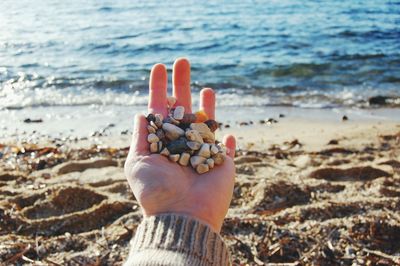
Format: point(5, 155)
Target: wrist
point(179, 233)
point(213, 225)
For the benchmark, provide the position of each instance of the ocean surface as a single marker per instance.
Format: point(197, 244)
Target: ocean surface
point(319, 54)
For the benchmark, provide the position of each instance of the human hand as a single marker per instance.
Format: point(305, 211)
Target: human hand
point(162, 186)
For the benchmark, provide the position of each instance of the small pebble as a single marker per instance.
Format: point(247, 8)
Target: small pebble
point(196, 160)
point(151, 129)
point(158, 120)
point(188, 118)
point(184, 159)
point(202, 168)
point(174, 121)
point(345, 118)
point(177, 146)
point(179, 112)
point(160, 134)
point(150, 117)
point(193, 145)
point(152, 138)
point(174, 157)
point(221, 148)
point(201, 116)
point(172, 132)
point(160, 146)
point(154, 147)
point(204, 131)
point(210, 163)
point(165, 152)
point(218, 158)
point(194, 135)
point(204, 151)
point(214, 149)
point(153, 125)
point(212, 124)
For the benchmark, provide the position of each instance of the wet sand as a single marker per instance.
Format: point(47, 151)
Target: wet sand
point(307, 192)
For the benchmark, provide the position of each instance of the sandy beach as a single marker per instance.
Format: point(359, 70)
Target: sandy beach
point(308, 190)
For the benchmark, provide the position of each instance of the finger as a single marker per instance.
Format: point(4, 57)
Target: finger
point(230, 142)
point(139, 145)
point(207, 102)
point(181, 84)
point(158, 90)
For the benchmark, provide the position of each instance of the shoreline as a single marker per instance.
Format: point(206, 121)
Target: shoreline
point(93, 123)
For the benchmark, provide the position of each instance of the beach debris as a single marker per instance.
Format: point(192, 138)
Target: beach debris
point(345, 118)
point(333, 142)
point(187, 139)
point(28, 120)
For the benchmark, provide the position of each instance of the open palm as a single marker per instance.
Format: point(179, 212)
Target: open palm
point(161, 186)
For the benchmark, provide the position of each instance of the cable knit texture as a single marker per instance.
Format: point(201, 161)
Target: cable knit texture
point(176, 240)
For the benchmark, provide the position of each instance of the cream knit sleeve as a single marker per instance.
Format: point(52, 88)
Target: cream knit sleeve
point(176, 240)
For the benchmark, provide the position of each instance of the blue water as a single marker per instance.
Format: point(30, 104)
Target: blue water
point(299, 53)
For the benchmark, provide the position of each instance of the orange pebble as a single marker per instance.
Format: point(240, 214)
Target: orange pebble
point(201, 116)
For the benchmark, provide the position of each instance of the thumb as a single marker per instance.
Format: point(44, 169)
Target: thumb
point(230, 142)
point(139, 144)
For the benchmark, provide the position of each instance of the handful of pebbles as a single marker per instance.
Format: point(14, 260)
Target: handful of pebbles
point(187, 139)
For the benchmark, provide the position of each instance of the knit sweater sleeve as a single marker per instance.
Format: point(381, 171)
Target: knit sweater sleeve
point(176, 240)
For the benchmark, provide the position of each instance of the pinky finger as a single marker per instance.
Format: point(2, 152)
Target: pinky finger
point(230, 142)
